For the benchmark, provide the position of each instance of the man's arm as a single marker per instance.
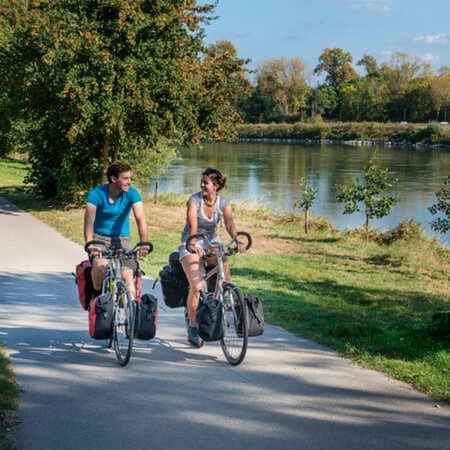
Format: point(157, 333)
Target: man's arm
point(89, 218)
point(141, 221)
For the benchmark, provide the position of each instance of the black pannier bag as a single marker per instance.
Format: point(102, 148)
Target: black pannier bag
point(255, 316)
point(101, 317)
point(174, 284)
point(146, 317)
point(210, 318)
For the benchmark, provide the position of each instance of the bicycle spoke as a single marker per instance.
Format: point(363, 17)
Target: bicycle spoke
point(234, 343)
point(123, 328)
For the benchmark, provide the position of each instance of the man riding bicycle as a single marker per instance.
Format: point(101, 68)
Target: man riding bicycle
point(106, 219)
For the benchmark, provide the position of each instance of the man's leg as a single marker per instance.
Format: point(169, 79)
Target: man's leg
point(98, 272)
point(128, 277)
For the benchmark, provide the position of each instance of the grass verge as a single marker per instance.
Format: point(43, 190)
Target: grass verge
point(9, 398)
point(371, 303)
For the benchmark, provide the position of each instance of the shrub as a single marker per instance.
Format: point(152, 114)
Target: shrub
point(407, 231)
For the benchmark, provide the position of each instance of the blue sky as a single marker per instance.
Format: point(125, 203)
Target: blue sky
point(263, 29)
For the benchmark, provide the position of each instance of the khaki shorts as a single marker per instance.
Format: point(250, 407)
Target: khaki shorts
point(125, 242)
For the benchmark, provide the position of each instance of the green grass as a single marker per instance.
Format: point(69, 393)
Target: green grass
point(9, 397)
point(373, 304)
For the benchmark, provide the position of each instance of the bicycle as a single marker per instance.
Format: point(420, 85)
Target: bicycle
point(124, 308)
point(234, 308)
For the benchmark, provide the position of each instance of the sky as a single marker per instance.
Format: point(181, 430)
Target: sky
point(263, 29)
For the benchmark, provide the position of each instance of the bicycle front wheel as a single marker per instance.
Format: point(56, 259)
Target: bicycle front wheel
point(123, 327)
point(235, 322)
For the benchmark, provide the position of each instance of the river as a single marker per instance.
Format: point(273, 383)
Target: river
point(267, 174)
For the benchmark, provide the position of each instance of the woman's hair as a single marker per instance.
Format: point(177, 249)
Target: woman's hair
point(216, 177)
point(115, 169)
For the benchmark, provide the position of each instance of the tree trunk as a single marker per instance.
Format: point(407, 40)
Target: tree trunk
point(115, 152)
point(156, 190)
point(104, 157)
point(367, 229)
point(156, 185)
point(306, 221)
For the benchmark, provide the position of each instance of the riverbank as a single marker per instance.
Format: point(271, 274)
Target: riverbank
point(433, 135)
point(373, 304)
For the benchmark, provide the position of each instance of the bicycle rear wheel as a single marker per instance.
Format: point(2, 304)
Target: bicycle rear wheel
point(123, 327)
point(235, 321)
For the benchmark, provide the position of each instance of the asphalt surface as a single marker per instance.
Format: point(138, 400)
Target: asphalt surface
point(289, 393)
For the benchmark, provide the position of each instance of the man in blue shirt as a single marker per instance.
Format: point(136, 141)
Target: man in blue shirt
point(106, 216)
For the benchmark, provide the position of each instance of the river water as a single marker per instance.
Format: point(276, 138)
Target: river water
point(268, 173)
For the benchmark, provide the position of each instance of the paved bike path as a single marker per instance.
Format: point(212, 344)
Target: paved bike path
point(288, 394)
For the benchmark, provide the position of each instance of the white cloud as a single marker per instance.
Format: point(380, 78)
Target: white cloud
point(429, 58)
point(313, 22)
point(374, 6)
point(431, 39)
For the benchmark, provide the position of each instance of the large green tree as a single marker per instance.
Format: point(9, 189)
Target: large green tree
point(223, 83)
point(337, 66)
point(100, 80)
point(282, 83)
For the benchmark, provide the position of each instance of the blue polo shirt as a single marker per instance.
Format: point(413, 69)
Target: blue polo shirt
point(112, 219)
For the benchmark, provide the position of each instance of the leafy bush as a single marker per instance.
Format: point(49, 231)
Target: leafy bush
point(407, 230)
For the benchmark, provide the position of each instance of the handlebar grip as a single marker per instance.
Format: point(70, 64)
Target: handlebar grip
point(194, 236)
point(144, 244)
point(249, 238)
point(94, 242)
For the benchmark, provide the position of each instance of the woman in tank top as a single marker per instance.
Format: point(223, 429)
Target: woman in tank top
point(204, 211)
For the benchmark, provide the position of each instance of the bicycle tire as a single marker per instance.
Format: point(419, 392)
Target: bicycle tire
point(235, 317)
point(123, 326)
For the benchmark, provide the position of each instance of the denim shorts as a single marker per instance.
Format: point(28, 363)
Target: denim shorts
point(184, 252)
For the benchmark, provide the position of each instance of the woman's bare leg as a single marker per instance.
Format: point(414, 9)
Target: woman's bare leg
point(193, 269)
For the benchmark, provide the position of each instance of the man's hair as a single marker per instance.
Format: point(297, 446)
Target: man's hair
point(115, 169)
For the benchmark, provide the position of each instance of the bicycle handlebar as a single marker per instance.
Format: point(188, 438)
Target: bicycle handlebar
point(126, 253)
point(231, 251)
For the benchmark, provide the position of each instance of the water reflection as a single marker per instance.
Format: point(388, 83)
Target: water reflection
point(268, 174)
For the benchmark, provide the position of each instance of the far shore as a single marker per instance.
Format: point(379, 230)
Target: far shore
point(431, 135)
point(356, 143)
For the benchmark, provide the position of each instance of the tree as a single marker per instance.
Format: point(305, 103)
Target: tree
point(442, 206)
point(370, 65)
point(323, 100)
point(153, 167)
point(337, 65)
point(372, 195)
point(283, 83)
point(398, 75)
point(307, 196)
point(440, 91)
point(101, 80)
point(223, 83)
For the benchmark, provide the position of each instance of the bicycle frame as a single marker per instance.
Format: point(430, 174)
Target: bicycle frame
point(219, 270)
point(113, 274)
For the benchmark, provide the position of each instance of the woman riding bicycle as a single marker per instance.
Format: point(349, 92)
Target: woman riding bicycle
point(204, 211)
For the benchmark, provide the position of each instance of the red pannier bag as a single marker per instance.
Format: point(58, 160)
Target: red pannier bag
point(101, 317)
point(83, 280)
